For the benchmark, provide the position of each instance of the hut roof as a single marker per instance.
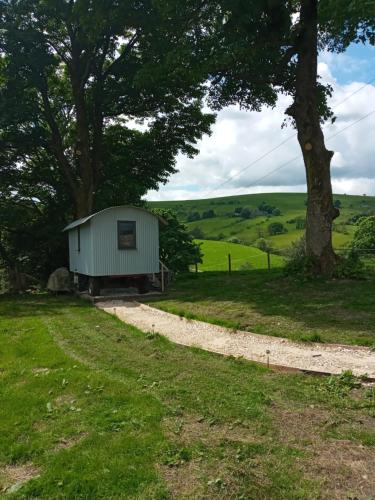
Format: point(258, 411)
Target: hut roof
point(83, 220)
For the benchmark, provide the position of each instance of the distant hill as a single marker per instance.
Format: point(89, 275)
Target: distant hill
point(246, 218)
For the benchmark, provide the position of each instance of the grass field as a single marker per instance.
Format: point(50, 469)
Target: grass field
point(292, 206)
point(260, 301)
point(215, 256)
point(94, 409)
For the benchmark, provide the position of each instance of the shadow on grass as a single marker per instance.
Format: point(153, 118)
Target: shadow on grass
point(23, 305)
point(339, 311)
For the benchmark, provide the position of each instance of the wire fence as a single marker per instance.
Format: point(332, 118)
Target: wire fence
point(272, 259)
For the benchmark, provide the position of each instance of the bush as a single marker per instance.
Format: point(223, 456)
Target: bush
point(246, 213)
point(298, 263)
point(364, 236)
point(208, 214)
point(263, 244)
point(197, 233)
point(276, 228)
point(350, 266)
point(177, 249)
point(234, 240)
point(193, 216)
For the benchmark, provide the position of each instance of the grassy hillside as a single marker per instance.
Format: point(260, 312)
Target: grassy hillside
point(267, 302)
point(291, 205)
point(92, 408)
point(216, 256)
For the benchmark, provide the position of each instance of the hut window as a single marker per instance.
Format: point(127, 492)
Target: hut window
point(78, 239)
point(126, 234)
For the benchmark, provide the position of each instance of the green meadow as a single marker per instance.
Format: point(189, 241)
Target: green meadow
point(292, 206)
point(92, 408)
point(215, 256)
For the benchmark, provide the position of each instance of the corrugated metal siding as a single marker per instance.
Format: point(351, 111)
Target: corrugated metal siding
point(81, 261)
point(108, 260)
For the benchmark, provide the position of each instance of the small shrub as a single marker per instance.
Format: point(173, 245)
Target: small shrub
point(263, 244)
point(276, 228)
point(350, 266)
point(197, 233)
point(342, 384)
point(313, 337)
point(234, 240)
point(298, 263)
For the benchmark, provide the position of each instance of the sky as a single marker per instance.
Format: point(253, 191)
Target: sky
point(230, 160)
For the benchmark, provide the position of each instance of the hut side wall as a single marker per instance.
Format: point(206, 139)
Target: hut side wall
point(108, 260)
point(81, 261)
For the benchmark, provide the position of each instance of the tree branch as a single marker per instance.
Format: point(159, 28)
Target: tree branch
point(57, 143)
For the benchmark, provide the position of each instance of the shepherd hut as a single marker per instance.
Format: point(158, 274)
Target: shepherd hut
point(115, 243)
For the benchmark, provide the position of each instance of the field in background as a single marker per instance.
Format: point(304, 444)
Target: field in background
point(291, 205)
point(215, 257)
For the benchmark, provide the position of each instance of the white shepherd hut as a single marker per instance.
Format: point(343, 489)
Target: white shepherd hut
point(116, 243)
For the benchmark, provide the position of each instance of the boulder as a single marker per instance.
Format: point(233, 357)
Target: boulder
point(59, 281)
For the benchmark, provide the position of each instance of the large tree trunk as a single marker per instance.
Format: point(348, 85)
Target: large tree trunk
point(317, 159)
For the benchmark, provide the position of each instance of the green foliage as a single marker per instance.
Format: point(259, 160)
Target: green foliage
point(177, 248)
point(245, 213)
point(337, 203)
point(197, 233)
point(342, 384)
point(267, 209)
point(263, 244)
point(364, 236)
point(249, 230)
point(208, 214)
point(276, 228)
point(298, 263)
point(350, 266)
point(76, 83)
point(193, 216)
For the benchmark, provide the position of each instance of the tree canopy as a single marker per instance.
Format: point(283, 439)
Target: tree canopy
point(76, 76)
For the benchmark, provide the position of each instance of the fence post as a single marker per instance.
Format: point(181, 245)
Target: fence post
point(229, 264)
point(196, 267)
point(268, 260)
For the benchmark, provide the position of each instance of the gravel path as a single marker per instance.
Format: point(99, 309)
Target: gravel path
point(326, 358)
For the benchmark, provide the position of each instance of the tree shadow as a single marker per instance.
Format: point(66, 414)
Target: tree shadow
point(269, 302)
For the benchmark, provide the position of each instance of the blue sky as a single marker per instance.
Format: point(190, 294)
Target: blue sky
point(357, 63)
point(239, 138)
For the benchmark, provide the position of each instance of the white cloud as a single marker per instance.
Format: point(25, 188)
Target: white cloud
point(239, 138)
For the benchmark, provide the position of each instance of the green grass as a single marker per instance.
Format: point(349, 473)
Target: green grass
point(101, 410)
point(215, 256)
point(338, 311)
point(292, 205)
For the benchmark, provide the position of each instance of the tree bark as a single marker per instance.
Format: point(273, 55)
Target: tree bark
point(317, 159)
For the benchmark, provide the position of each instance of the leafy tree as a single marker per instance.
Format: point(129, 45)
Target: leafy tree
point(263, 244)
point(337, 204)
point(74, 76)
point(237, 211)
point(266, 47)
point(276, 228)
point(177, 249)
point(208, 214)
point(193, 216)
point(197, 233)
point(364, 236)
point(246, 213)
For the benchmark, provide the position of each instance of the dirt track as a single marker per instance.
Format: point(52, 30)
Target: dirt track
point(326, 358)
